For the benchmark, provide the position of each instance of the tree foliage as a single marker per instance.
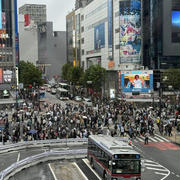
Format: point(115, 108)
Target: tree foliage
point(72, 74)
point(171, 77)
point(29, 74)
point(95, 74)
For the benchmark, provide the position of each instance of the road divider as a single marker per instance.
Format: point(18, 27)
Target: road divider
point(41, 158)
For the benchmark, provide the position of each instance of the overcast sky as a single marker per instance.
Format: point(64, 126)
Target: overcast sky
point(56, 11)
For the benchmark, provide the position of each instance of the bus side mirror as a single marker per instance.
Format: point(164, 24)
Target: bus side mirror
point(110, 163)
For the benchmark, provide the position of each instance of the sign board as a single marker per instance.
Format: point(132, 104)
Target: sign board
point(21, 85)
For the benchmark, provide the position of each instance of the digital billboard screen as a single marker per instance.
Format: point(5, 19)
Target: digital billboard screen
point(137, 81)
point(99, 36)
point(176, 26)
point(0, 14)
point(130, 30)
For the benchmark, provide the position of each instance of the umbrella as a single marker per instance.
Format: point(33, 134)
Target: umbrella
point(32, 131)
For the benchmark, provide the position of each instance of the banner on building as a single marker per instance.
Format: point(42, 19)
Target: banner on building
point(1, 75)
point(130, 31)
point(136, 81)
point(99, 36)
point(7, 76)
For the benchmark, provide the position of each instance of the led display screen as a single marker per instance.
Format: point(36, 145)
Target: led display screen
point(176, 26)
point(137, 81)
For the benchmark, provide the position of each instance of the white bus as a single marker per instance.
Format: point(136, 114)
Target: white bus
point(62, 94)
point(64, 86)
point(113, 158)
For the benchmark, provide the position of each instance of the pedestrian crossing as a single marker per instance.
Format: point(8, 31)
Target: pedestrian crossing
point(155, 167)
point(156, 138)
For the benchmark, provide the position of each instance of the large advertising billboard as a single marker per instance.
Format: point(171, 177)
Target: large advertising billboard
point(137, 81)
point(176, 26)
point(130, 30)
point(99, 36)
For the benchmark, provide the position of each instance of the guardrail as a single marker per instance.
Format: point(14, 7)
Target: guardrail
point(42, 143)
point(43, 157)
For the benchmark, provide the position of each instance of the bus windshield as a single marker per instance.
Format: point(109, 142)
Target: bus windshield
point(126, 167)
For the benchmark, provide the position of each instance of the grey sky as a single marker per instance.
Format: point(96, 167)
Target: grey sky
point(56, 11)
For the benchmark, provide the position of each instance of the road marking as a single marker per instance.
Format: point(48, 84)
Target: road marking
point(55, 178)
point(163, 174)
point(84, 176)
point(141, 140)
point(146, 160)
point(153, 165)
point(156, 169)
point(162, 138)
point(18, 157)
point(152, 139)
point(87, 163)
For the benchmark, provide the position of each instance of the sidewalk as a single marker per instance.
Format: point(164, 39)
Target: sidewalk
point(175, 138)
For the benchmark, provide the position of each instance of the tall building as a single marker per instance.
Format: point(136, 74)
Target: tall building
point(34, 12)
point(70, 37)
point(161, 34)
point(9, 45)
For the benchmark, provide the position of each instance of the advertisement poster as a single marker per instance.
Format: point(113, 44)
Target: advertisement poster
point(99, 36)
point(130, 30)
point(137, 81)
point(110, 19)
point(7, 76)
point(1, 72)
point(176, 26)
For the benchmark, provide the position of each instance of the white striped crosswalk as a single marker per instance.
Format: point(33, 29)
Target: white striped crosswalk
point(156, 167)
point(155, 138)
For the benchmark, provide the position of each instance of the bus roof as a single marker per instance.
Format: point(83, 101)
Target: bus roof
point(63, 84)
point(62, 90)
point(113, 145)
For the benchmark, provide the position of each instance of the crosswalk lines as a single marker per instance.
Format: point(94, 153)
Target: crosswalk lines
point(156, 138)
point(156, 167)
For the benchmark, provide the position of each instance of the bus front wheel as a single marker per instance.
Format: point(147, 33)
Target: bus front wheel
point(105, 176)
point(92, 163)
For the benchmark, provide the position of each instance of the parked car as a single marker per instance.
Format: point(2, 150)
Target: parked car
point(53, 91)
point(87, 102)
point(78, 98)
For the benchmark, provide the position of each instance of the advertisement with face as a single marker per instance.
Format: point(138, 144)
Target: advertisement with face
point(99, 36)
point(137, 81)
point(130, 30)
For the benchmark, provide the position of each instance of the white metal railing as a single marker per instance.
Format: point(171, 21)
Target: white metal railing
point(43, 157)
point(41, 143)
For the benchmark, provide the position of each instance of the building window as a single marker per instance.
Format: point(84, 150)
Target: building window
point(82, 17)
point(82, 40)
point(82, 51)
point(82, 29)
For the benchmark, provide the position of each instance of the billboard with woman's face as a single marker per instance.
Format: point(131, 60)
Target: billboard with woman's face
point(137, 81)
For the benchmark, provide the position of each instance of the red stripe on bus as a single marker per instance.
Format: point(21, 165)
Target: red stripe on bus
point(114, 175)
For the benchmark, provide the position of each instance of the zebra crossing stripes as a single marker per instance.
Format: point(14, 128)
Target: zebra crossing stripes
point(156, 138)
point(157, 168)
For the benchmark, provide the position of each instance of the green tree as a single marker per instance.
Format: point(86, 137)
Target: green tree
point(76, 75)
point(29, 74)
point(95, 74)
point(67, 71)
point(171, 77)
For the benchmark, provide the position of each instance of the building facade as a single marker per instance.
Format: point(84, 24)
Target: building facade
point(34, 13)
point(9, 44)
point(161, 34)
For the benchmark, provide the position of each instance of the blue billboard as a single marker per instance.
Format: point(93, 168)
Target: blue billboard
point(110, 19)
point(130, 30)
point(0, 14)
point(137, 81)
point(176, 18)
point(99, 36)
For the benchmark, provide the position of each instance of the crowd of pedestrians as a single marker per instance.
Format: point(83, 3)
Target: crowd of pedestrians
point(54, 121)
